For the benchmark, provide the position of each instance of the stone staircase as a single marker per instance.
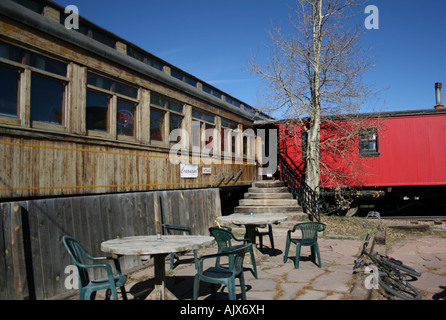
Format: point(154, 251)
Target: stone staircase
point(271, 197)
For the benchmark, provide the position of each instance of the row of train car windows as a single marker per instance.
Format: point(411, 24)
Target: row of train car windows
point(48, 85)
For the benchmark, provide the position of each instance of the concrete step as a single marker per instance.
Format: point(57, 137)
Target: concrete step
point(268, 209)
point(268, 184)
point(268, 195)
point(268, 190)
point(268, 202)
point(279, 229)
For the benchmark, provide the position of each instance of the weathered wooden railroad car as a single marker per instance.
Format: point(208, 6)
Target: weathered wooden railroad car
point(100, 139)
point(86, 112)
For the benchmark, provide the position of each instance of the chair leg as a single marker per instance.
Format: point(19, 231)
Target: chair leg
point(296, 263)
point(231, 289)
point(172, 260)
point(318, 254)
point(123, 293)
point(253, 261)
point(242, 286)
point(287, 249)
point(196, 287)
point(82, 295)
point(114, 293)
point(271, 240)
point(196, 259)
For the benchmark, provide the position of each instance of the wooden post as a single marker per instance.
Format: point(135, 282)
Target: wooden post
point(157, 213)
point(15, 273)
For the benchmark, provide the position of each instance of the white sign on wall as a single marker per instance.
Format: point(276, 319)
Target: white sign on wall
point(188, 171)
point(206, 170)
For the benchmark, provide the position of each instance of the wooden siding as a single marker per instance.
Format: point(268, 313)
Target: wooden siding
point(35, 168)
point(33, 258)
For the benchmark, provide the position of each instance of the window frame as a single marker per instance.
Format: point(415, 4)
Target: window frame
point(367, 135)
point(10, 118)
point(203, 123)
point(48, 124)
point(226, 133)
point(167, 118)
point(26, 72)
point(112, 115)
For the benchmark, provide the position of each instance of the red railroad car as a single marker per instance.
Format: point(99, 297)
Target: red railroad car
point(402, 156)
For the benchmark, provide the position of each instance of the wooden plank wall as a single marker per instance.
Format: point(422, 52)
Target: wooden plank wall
point(33, 258)
point(41, 167)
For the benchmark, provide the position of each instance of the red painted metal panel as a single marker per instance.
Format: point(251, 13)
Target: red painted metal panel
point(412, 153)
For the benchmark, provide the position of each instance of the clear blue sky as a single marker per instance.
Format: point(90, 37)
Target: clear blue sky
point(214, 40)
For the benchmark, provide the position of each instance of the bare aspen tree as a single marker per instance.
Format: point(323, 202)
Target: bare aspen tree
point(315, 75)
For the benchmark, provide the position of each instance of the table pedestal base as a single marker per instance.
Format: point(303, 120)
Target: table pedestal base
point(251, 235)
point(160, 292)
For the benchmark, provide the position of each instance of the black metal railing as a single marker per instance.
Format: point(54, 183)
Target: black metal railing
point(307, 197)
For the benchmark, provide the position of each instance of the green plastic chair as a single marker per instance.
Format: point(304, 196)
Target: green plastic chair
point(224, 238)
point(268, 233)
point(170, 229)
point(87, 287)
point(309, 232)
point(218, 275)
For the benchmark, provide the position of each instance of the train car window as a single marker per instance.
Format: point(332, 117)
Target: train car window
point(9, 82)
point(97, 111)
point(47, 99)
point(368, 142)
point(164, 111)
point(196, 135)
point(200, 115)
point(233, 102)
point(48, 85)
point(137, 54)
point(249, 143)
point(304, 139)
point(106, 97)
point(203, 125)
point(157, 125)
point(227, 129)
point(173, 106)
point(33, 5)
point(47, 64)
point(111, 85)
point(209, 90)
point(33, 59)
point(181, 76)
point(125, 120)
point(176, 122)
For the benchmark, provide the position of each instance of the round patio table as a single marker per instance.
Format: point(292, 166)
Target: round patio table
point(146, 246)
point(251, 221)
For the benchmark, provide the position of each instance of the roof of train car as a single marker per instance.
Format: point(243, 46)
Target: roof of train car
point(384, 114)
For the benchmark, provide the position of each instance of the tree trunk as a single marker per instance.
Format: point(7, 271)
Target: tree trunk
point(314, 132)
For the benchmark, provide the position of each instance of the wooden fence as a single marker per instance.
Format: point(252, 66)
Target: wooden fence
point(33, 258)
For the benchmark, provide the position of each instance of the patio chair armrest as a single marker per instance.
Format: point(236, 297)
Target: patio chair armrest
point(176, 227)
point(245, 241)
point(217, 255)
point(115, 261)
point(206, 257)
point(295, 227)
point(107, 267)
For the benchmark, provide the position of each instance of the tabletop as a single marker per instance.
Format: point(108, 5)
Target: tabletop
point(252, 219)
point(150, 245)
